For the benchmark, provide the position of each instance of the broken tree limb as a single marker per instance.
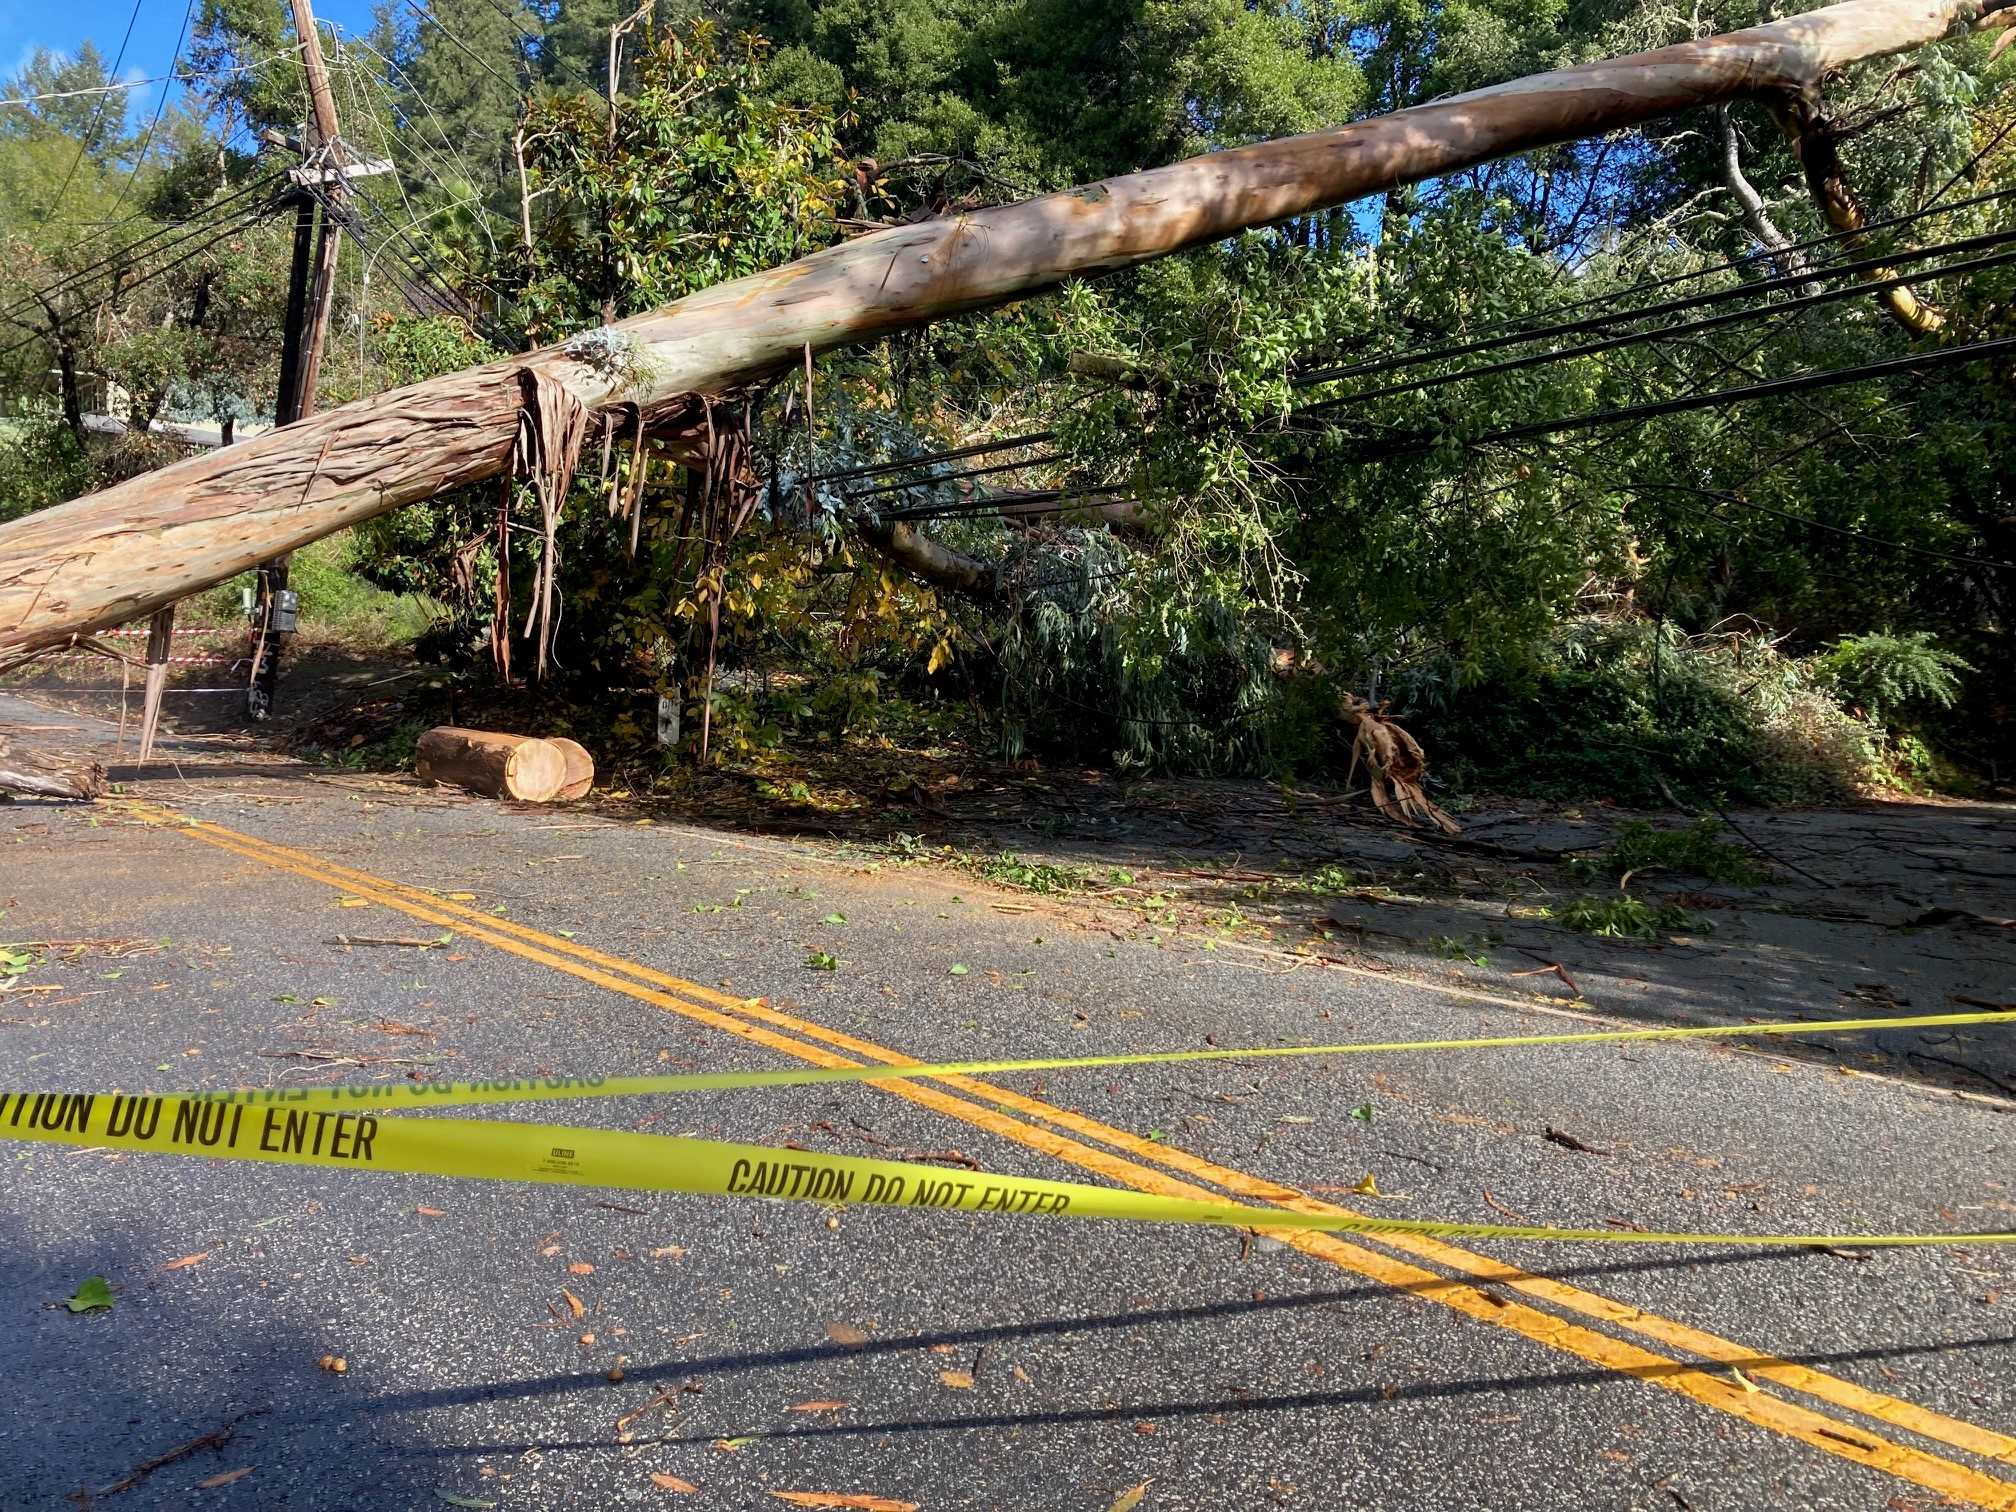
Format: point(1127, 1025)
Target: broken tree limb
point(47, 777)
point(127, 550)
point(492, 764)
point(936, 564)
point(1395, 767)
point(1816, 141)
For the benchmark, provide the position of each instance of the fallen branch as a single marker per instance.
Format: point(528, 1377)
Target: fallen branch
point(46, 777)
point(216, 1438)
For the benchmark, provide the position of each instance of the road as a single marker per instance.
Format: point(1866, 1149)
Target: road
point(540, 1347)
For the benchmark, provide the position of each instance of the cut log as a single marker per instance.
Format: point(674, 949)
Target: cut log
point(580, 774)
point(125, 551)
point(47, 776)
point(492, 764)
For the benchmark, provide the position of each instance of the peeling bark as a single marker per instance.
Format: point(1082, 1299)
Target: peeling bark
point(1818, 146)
point(1756, 215)
point(46, 777)
point(122, 552)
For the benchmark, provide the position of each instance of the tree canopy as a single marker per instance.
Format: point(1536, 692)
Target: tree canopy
point(1767, 593)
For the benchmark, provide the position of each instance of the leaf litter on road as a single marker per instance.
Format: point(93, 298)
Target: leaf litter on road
point(840, 1501)
point(93, 1295)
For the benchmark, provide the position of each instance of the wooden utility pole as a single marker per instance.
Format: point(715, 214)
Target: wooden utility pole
point(309, 297)
point(126, 550)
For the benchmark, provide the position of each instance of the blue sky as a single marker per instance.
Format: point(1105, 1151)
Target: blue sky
point(61, 27)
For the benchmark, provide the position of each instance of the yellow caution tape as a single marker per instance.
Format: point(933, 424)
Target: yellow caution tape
point(556, 1088)
point(498, 1151)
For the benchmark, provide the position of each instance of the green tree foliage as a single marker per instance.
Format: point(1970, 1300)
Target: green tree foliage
point(1592, 608)
point(1046, 93)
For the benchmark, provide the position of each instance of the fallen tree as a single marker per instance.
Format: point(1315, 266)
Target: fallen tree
point(122, 552)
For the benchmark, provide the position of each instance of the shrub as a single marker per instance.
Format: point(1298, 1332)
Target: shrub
point(1888, 674)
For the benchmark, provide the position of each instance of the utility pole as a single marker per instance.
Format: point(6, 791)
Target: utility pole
point(308, 302)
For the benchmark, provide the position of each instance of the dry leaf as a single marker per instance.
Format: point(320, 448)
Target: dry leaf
point(668, 1252)
point(1367, 1186)
point(818, 1406)
point(186, 1261)
point(835, 1499)
point(847, 1334)
point(335, 1364)
point(574, 1304)
point(666, 1482)
point(733, 1445)
point(224, 1478)
point(1127, 1501)
point(1146, 1430)
point(1742, 1380)
point(427, 1212)
point(580, 1268)
point(958, 1380)
point(1020, 1374)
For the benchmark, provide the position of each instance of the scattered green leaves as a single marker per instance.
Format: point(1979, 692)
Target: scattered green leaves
point(1619, 916)
point(95, 1295)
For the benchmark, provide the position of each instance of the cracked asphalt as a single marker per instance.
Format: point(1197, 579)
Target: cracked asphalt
point(536, 1347)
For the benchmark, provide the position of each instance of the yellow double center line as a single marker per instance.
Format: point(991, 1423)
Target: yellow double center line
point(1050, 1130)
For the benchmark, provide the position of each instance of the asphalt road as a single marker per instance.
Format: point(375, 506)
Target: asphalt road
point(941, 1360)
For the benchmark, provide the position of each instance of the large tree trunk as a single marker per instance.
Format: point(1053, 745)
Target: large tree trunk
point(120, 553)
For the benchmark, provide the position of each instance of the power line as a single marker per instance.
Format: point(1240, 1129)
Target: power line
point(1737, 264)
point(98, 115)
point(534, 37)
point(1812, 524)
point(240, 223)
point(1668, 307)
point(978, 449)
point(1422, 356)
point(160, 107)
point(1686, 328)
point(427, 15)
point(1912, 363)
point(1664, 333)
point(209, 217)
point(970, 472)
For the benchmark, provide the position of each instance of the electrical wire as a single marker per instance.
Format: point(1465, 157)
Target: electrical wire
point(1687, 328)
point(98, 115)
point(1915, 364)
point(160, 108)
point(209, 217)
point(1672, 307)
point(240, 223)
point(428, 15)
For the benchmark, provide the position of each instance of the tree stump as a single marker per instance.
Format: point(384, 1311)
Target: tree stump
point(580, 769)
point(492, 764)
